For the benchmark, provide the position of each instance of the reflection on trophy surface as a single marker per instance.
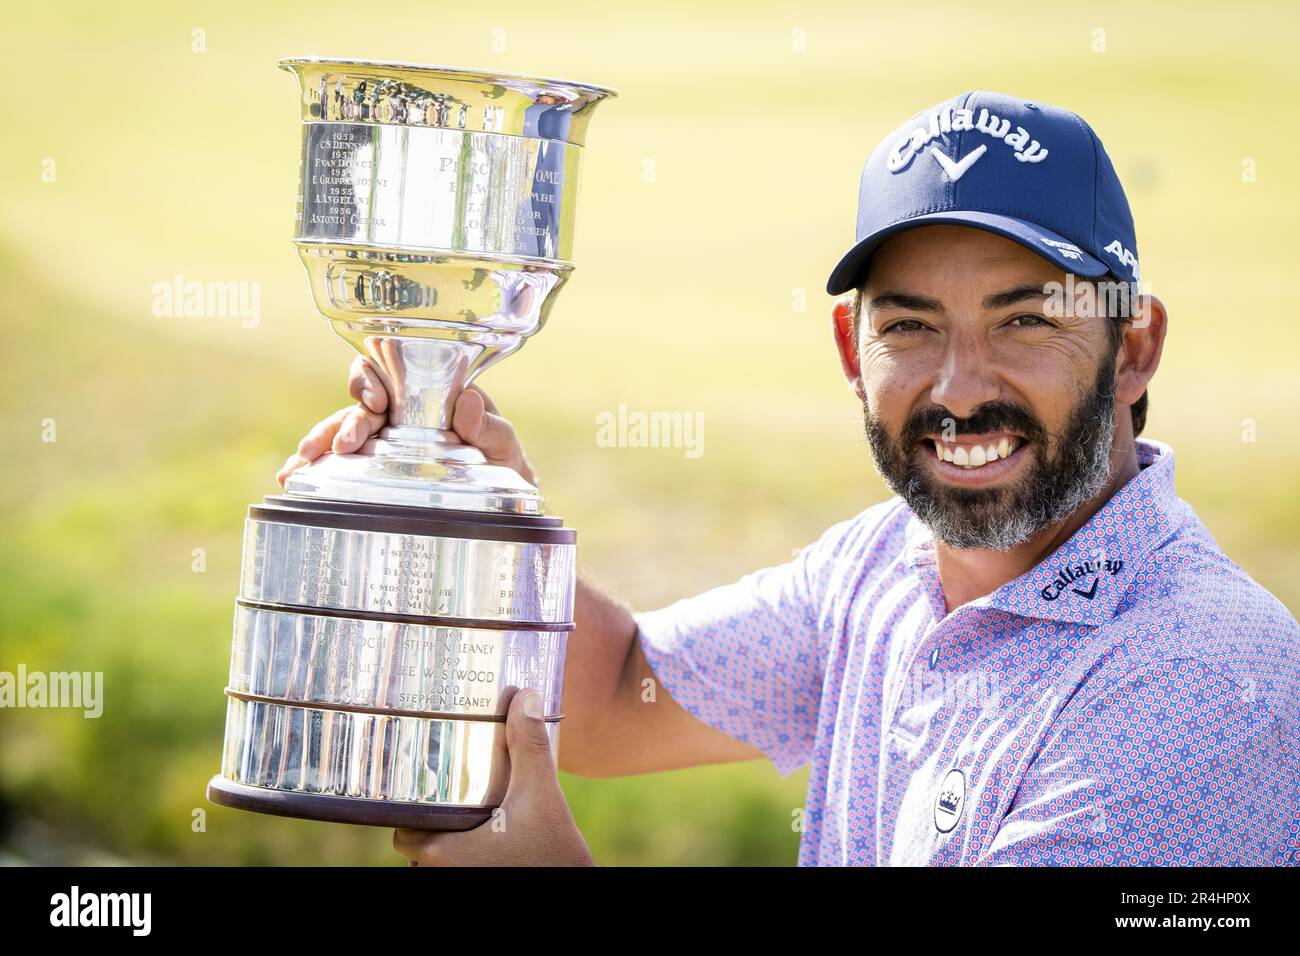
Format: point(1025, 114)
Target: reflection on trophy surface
point(392, 600)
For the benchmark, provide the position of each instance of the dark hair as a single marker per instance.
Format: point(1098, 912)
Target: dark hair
point(1119, 316)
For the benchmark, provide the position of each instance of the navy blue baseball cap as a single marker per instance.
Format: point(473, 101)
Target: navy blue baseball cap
point(1034, 173)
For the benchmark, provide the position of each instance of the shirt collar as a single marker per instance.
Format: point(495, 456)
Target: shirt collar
point(1083, 580)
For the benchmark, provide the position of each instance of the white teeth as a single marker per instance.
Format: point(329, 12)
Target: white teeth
point(975, 456)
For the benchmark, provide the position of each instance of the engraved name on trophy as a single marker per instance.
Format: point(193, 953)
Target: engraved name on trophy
point(391, 600)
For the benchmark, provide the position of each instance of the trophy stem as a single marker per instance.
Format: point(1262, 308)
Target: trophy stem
point(418, 460)
point(424, 377)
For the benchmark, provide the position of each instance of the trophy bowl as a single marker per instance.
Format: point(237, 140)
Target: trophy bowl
point(393, 600)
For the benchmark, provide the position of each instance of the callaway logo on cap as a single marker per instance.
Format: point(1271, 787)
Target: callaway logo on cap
point(1034, 173)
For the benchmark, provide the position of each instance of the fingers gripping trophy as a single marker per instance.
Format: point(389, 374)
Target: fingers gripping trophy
point(392, 600)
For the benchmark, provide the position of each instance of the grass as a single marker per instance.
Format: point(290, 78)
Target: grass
point(684, 300)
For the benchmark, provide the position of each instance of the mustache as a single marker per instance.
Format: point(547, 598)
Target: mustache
point(989, 417)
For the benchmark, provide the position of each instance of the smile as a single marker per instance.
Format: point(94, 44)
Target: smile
point(975, 458)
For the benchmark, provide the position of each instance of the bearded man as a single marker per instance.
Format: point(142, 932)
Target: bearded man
point(1035, 653)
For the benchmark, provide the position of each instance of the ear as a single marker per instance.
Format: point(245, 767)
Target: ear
point(1140, 349)
point(846, 345)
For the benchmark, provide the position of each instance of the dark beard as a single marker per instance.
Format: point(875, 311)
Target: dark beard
point(1066, 471)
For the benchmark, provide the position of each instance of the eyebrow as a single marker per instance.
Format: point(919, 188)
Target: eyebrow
point(921, 303)
point(904, 300)
point(1022, 293)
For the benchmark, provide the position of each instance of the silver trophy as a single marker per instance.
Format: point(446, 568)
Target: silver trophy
point(392, 600)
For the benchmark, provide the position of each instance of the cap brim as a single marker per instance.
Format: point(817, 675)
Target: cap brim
point(849, 273)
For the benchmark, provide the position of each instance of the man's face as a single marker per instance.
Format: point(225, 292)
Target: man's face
point(992, 418)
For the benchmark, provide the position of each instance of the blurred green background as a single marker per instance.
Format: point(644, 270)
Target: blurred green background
point(718, 191)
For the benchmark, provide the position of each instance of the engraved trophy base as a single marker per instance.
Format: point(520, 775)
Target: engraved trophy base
point(375, 652)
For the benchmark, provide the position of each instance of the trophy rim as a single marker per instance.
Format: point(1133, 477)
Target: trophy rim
point(289, 62)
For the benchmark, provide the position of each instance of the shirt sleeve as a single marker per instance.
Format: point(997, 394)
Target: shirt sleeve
point(1175, 764)
point(749, 658)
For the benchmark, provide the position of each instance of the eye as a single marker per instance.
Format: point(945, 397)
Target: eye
point(1029, 320)
point(904, 326)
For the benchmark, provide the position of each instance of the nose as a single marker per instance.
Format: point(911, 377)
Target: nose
point(967, 377)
